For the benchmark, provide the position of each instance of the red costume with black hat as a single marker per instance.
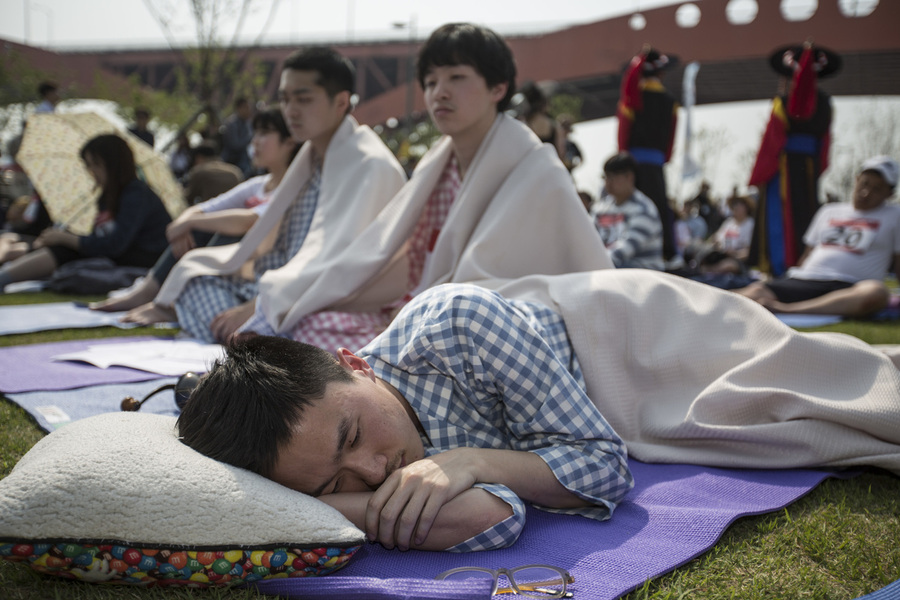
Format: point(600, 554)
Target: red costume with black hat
point(647, 115)
point(792, 156)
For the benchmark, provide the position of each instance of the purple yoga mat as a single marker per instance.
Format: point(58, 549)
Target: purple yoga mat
point(29, 368)
point(674, 513)
point(369, 588)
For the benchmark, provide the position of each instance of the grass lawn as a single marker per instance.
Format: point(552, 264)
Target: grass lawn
point(839, 542)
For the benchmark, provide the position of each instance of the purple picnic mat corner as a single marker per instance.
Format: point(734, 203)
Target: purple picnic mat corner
point(674, 514)
point(29, 368)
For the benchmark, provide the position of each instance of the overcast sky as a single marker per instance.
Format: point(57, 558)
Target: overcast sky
point(127, 23)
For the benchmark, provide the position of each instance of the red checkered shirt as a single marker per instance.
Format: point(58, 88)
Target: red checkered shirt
point(335, 329)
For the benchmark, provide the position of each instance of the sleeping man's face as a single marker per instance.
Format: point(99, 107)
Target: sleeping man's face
point(352, 439)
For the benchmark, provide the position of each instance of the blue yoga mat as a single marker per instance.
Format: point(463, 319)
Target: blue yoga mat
point(55, 408)
point(28, 318)
point(889, 592)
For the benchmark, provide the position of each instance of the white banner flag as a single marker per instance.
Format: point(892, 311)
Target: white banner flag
point(689, 168)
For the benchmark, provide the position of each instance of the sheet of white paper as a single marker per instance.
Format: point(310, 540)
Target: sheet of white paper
point(165, 357)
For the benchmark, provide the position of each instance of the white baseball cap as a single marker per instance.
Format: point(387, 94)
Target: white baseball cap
point(885, 166)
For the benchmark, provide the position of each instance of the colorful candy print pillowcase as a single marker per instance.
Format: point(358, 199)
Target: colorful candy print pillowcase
point(117, 498)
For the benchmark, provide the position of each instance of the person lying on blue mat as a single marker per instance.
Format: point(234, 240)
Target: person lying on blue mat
point(475, 402)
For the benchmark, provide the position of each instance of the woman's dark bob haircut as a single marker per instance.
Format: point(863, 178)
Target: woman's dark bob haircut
point(473, 45)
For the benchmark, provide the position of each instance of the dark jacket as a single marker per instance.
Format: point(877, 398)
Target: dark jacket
point(140, 224)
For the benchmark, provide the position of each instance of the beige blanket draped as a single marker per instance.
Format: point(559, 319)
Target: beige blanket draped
point(359, 177)
point(516, 213)
point(687, 373)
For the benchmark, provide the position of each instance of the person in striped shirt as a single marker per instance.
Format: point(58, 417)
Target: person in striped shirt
point(626, 219)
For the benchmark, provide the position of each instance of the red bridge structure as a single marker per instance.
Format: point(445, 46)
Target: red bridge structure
point(586, 60)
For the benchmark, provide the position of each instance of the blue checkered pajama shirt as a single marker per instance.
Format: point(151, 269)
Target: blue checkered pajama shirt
point(483, 371)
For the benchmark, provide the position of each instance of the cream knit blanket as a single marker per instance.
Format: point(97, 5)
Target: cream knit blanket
point(687, 373)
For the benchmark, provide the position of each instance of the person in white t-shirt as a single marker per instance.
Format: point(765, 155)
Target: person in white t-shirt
point(850, 248)
point(731, 242)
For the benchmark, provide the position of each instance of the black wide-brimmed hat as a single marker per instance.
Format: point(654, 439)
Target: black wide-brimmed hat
point(656, 62)
point(825, 61)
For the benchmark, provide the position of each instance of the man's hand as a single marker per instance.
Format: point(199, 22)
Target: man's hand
point(431, 505)
point(402, 511)
point(176, 229)
point(468, 514)
point(181, 245)
point(182, 224)
point(227, 322)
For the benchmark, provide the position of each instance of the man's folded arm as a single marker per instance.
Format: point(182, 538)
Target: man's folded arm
point(470, 514)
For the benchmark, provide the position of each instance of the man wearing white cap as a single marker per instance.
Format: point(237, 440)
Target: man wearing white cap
point(849, 249)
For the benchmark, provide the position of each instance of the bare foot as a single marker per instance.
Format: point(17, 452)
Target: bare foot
point(142, 294)
point(150, 313)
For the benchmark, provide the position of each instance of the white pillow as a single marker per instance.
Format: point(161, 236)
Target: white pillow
point(117, 497)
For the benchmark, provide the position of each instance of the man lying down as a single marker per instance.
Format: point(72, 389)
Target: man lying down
point(473, 403)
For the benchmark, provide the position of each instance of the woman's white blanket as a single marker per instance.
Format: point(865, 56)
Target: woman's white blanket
point(517, 213)
point(687, 373)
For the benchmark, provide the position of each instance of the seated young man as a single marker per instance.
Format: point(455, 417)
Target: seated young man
point(471, 404)
point(626, 219)
point(488, 202)
point(849, 249)
point(342, 177)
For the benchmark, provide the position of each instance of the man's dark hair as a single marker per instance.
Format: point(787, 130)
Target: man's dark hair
point(118, 160)
point(141, 112)
point(46, 87)
point(473, 45)
point(247, 406)
point(335, 71)
point(206, 149)
point(619, 163)
point(272, 119)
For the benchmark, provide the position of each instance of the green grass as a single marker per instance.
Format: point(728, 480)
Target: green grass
point(839, 542)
